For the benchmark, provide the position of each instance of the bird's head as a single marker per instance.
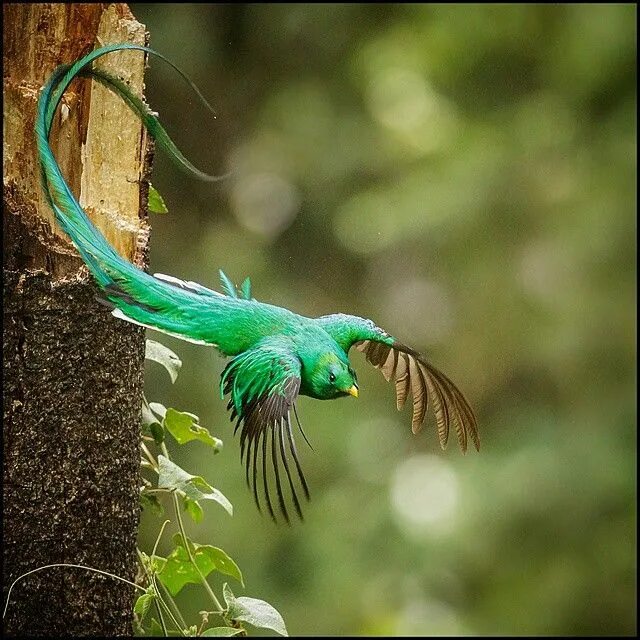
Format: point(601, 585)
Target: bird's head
point(330, 376)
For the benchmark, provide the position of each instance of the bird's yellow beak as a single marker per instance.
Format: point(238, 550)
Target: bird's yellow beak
point(353, 391)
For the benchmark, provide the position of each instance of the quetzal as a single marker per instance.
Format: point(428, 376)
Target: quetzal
point(275, 354)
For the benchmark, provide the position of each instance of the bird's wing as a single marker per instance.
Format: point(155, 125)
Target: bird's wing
point(413, 374)
point(263, 384)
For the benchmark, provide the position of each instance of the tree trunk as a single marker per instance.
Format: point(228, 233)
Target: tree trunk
point(72, 373)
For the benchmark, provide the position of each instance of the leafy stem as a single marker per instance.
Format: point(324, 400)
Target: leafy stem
point(188, 562)
point(167, 595)
point(185, 540)
point(150, 578)
point(158, 599)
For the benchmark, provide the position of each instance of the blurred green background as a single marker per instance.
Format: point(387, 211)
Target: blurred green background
point(466, 177)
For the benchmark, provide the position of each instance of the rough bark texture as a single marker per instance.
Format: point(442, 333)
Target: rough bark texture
point(72, 373)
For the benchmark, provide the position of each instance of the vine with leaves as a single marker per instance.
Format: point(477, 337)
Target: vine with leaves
point(189, 562)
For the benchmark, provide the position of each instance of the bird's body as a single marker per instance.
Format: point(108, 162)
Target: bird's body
point(275, 354)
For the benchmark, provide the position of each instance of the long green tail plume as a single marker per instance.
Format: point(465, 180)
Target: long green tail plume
point(139, 296)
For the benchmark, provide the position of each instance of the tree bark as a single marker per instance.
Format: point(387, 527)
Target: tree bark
point(72, 373)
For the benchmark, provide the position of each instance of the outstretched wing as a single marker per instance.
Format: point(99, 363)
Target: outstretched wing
point(413, 374)
point(263, 384)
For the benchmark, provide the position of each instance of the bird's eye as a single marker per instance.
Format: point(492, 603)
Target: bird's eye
point(332, 377)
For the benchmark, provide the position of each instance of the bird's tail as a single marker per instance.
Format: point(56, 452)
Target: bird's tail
point(140, 297)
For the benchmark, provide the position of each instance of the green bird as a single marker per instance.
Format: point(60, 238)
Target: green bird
point(276, 354)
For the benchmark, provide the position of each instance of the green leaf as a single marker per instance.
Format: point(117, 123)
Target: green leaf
point(193, 508)
point(142, 604)
point(150, 501)
point(225, 564)
point(179, 571)
point(184, 428)
point(221, 561)
point(164, 356)
point(148, 416)
point(156, 203)
point(150, 424)
point(171, 476)
point(256, 612)
point(221, 631)
point(155, 430)
point(158, 409)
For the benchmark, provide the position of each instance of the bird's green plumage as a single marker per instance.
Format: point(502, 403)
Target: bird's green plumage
point(265, 367)
point(276, 354)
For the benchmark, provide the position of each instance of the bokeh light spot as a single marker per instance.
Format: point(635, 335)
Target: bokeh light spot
point(403, 101)
point(265, 203)
point(424, 495)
